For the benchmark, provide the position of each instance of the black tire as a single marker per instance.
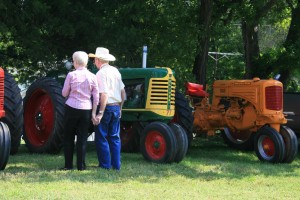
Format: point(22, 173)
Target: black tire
point(269, 145)
point(184, 115)
point(158, 143)
point(242, 140)
point(130, 137)
point(13, 111)
point(182, 141)
point(44, 108)
point(5, 144)
point(291, 144)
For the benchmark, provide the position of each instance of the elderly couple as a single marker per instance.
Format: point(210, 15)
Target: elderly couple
point(107, 90)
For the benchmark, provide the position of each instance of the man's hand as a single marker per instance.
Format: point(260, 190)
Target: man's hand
point(96, 119)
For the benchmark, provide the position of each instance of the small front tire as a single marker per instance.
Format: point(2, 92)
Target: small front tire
point(269, 145)
point(158, 143)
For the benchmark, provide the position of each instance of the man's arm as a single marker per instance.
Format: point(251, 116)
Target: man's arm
point(123, 97)
point(103, 102)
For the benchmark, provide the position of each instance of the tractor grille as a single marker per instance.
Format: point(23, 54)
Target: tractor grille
point(162, 92)
point(273, 98)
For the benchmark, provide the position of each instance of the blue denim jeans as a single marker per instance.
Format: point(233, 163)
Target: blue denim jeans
point(107, 139)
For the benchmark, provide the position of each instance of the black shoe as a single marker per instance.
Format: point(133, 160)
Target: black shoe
point(81, 169)
point(65, 169)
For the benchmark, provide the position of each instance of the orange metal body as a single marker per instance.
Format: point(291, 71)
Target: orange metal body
point(241, 105)
point(2, 112)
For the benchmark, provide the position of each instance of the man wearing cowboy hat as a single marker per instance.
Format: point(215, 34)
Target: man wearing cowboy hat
point(107, 120)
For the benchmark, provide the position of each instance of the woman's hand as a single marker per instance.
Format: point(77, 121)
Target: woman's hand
point(96, 119)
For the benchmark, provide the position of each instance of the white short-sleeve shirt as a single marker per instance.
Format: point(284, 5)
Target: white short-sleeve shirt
point(110, 82)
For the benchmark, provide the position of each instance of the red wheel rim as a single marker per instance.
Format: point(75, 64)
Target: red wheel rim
point(268, 146)
point(155, 145)
point(39, 117)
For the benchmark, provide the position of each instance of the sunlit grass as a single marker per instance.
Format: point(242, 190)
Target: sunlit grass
point(209, 171)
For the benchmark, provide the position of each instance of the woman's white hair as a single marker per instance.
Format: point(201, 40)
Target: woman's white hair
point(81, 58)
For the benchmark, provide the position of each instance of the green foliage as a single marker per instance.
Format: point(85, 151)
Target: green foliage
point(37, 35)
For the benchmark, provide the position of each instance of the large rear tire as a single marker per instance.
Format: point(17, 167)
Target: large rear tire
point(269, 145)
point(158, 143)
point(184, 115)
point(241, 140)
point(43, 116)
point(291, 144)
point(5, 144)
point(13, 111)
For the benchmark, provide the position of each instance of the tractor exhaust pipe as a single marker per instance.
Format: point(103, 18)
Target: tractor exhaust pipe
point(144, 56)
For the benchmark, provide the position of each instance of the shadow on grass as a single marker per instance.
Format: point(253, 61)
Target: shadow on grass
point(207, 159)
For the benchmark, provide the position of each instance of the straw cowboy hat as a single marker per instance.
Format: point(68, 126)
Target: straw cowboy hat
point(103, 54)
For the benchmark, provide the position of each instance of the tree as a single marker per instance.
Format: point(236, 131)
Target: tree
point(289, 59)
point(251, 15)
point(205, 20)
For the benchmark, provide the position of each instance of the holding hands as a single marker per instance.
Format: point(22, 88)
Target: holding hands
point(96, 119)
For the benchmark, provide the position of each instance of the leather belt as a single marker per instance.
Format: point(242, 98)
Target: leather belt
point(113, 104)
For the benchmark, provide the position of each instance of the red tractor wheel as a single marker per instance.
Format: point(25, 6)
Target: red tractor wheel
point(291, 144)
point(158, 143)
point(4, 145)
point(241, 140)
point(269, 145)
point(43, 116)
point(130, 136)
point(182, 141)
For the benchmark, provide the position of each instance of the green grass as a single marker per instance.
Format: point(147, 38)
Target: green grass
point(210, 171)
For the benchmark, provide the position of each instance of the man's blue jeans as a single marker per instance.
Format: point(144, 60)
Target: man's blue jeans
point(107, 139)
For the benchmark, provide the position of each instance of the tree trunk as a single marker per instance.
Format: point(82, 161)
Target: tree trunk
point(199, 69)
point(292, 39)
point(251, 47)
point(250, 38)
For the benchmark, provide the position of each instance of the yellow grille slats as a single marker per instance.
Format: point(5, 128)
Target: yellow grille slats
point(162, 91)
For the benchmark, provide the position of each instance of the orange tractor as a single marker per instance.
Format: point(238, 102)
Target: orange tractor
point(249, 114)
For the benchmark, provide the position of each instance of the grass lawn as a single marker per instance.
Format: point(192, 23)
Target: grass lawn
point(210, 170)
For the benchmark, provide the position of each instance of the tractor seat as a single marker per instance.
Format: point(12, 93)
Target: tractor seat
point(194, 89)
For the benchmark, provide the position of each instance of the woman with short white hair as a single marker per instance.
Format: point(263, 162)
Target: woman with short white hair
point(80, 85)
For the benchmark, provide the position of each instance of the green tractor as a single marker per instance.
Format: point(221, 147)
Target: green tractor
point(148, 124)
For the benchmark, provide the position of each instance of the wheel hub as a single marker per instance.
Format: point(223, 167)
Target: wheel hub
point(39, 120)
point(156, 144)
point(268, 146)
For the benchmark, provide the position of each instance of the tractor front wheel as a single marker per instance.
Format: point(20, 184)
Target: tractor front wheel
point(4, 145)
point(158, 143)
point(43, 116)
point(269, 145)
point(291, 144)
point(182, 141)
